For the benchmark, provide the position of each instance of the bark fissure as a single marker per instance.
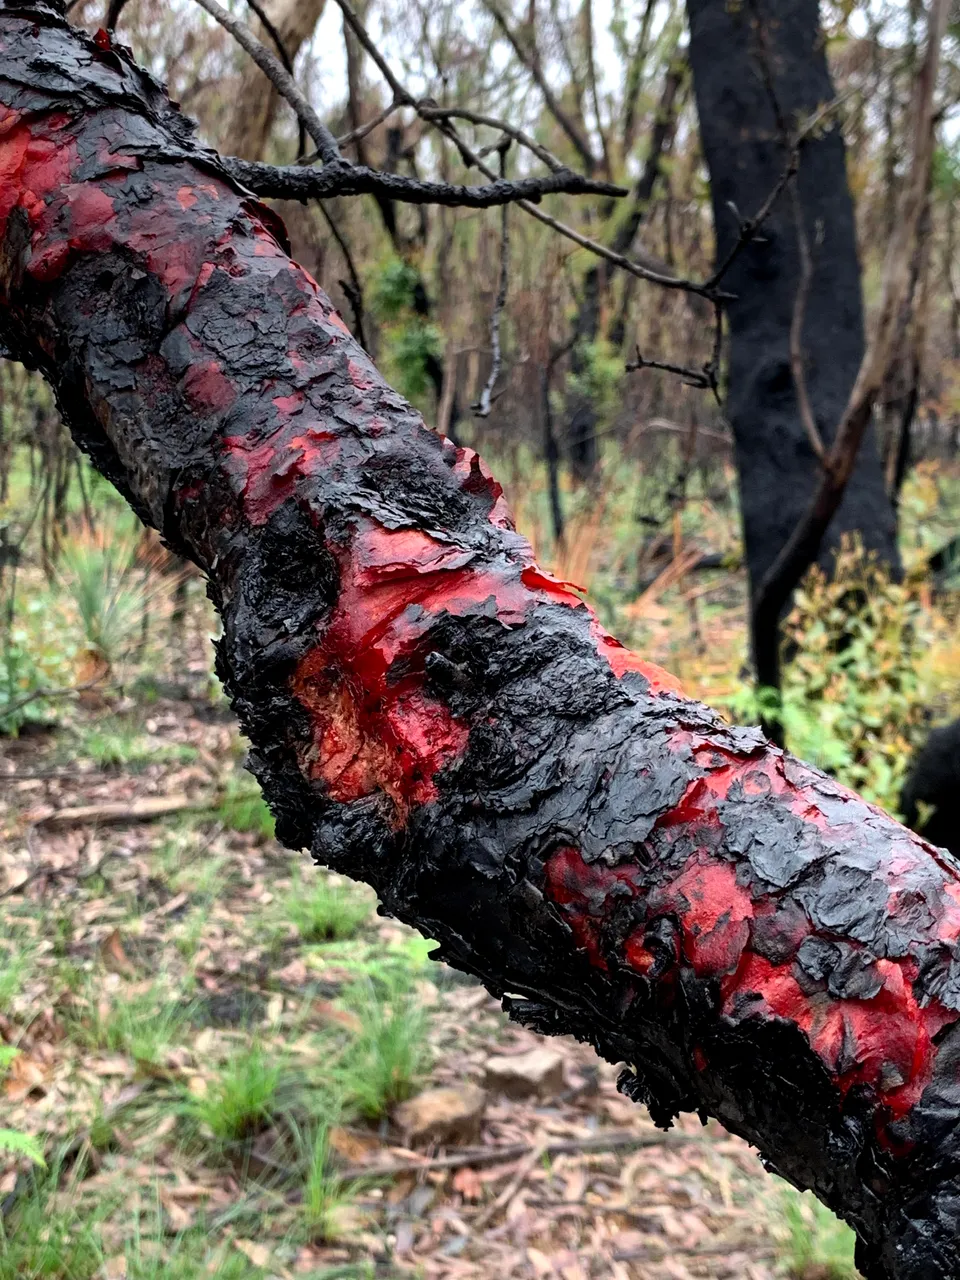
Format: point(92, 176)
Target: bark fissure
point(434, 714)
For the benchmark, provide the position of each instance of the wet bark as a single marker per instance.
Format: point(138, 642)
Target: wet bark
point(746, 155)
point(432, 713)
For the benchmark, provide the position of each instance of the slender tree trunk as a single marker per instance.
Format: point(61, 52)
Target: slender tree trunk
point(434, 714)
point(257, 100)
point(581, 410)
point(746, 156)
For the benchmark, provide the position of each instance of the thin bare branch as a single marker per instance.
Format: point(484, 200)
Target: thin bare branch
point(355, 135)
point(432, 112)
point(530, 59)
point(796, 330)
point(707, 376)
point(282, 81)
point(482, 409)
point(400, 94)
point(354, 288)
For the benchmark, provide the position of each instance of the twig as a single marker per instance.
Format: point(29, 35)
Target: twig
point(44, 695)
point(62, 873)
point(274, 35)
point(707, 377)
point(616, 1139)
point(353, 290)
point(482, 409)
point(531, 60)
point(145, 809)
point(796, 330)
point(431, 112)
point(750, 227)
point(400, 95)
point(524, 1169)
point(282, 81)
point(361, 131)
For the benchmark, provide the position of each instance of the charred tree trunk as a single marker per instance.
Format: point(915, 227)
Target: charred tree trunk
point(432, 713)
point(746, 155)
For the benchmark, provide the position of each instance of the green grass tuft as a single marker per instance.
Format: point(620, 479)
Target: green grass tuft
point(242, 1099)
point(325, 912)
point(390, 1055)
point(818, 1243)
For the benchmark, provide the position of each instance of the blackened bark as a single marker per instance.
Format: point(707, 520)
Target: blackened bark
point(746, 155)
point(434, 714)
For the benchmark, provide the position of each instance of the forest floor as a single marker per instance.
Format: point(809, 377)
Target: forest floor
point(209, 1038)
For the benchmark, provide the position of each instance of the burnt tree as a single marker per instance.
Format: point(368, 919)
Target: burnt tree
point(432, 713)
point(759, 71)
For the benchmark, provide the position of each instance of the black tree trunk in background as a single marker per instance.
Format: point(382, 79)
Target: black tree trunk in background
point(733, 72)
point(432, 713)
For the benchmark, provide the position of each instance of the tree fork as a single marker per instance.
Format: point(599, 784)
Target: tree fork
point(434, 714)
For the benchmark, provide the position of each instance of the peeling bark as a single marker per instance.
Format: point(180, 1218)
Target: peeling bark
point(432, 713)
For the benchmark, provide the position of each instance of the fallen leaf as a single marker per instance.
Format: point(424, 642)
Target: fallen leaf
point(258, 1254)
point(113, 955)
point(24, 1076)
point(329, 1012)
point(350, 1146)
point(467, 1183)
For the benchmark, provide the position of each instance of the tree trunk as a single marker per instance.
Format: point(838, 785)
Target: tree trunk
point(581, 410)
point(257, 100)
point(434, 714)
point(746, 155)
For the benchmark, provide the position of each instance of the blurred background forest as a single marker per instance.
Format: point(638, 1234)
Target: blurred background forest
point(184, 1014)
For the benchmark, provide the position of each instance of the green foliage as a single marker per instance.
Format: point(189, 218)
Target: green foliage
point(13, 1143)
point(852, 700)
point(45, 1237)
point(945, 172)
point(599, 378)
point(243, 808)
point(410, 341)
point(390, 1054)
point(242, 1097)
point(323, 911)
point(188, 1257)
point(323, 1191)
point(100, 575)
point(394, 289)
point(817, 1243)
point(142, 1023)
point(34, 655)
point(411, 348)
point(119, 742)
point(14, 966)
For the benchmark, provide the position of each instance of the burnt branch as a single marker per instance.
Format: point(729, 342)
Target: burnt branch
point(433, 713)
point(298, 182)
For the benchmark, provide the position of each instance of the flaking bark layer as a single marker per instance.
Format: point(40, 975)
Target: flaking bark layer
point(432, 713)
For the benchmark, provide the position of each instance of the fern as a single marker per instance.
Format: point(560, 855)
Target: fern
point(21, 1144)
